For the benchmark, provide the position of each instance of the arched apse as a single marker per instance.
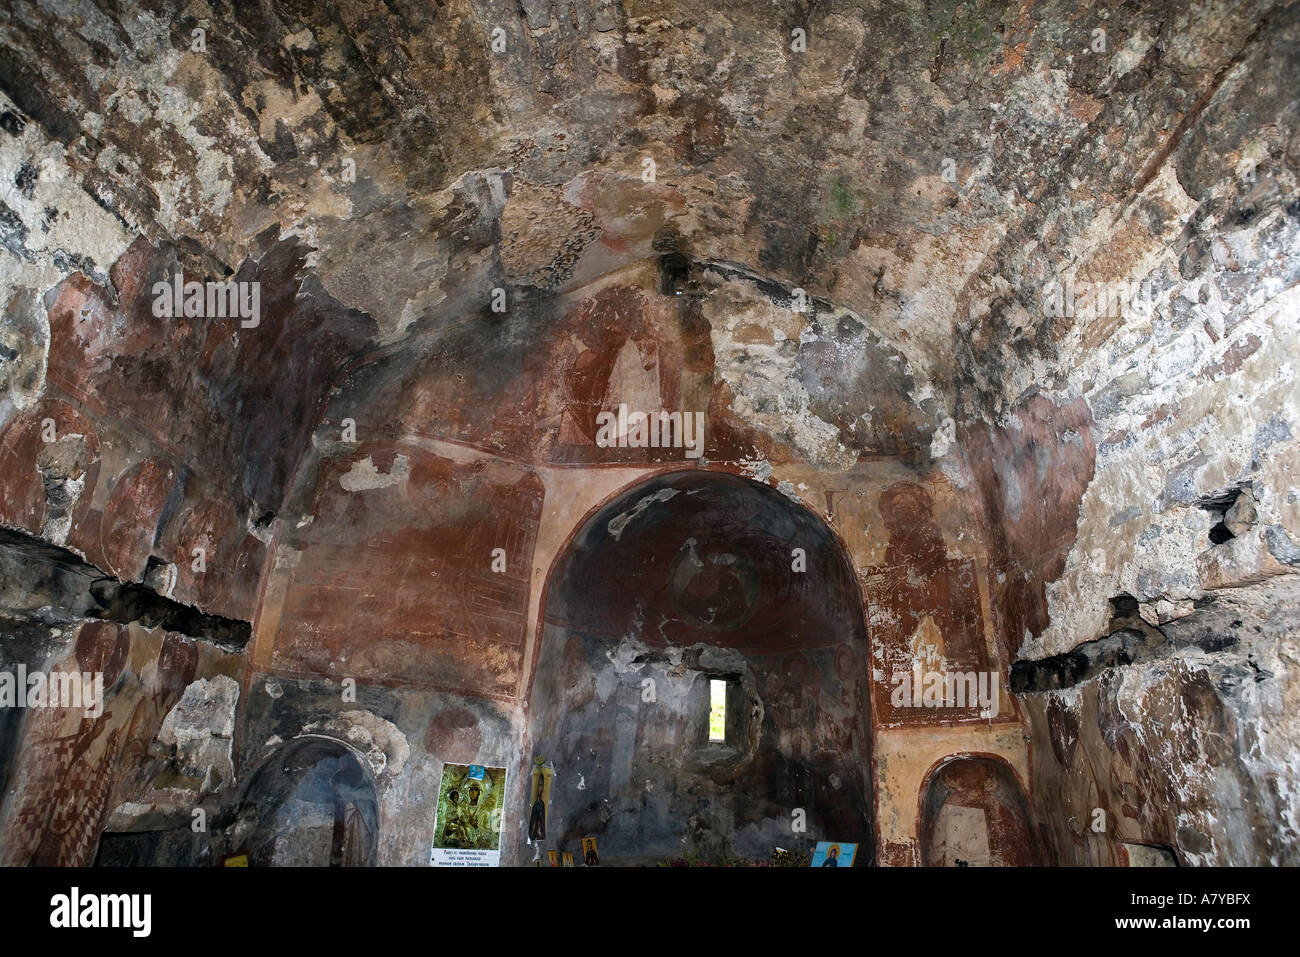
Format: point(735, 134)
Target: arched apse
point(312, 803)
point(974, 814)
point(686, 579)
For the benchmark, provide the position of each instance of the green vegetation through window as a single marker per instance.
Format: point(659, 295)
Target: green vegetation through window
point(717, 710)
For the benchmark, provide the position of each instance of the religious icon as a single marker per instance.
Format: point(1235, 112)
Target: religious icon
point(589, 855)
point(539, 800)
point(568, 859)
point(553, 858)
point(830, 854)
point(468, 823)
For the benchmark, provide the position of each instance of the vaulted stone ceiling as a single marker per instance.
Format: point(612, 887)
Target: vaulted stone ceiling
point(477, 224)
point(522, 167)
point(923, 170)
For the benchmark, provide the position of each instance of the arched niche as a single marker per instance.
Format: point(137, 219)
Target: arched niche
point(974, 814)
point(311, 803)
point(682, 580)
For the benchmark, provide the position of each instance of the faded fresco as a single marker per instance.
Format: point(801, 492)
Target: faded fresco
point(73, 770)
point(925, 608)
point(975, 814)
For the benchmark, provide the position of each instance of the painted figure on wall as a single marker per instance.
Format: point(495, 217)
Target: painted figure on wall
point(351, 837)
point(713, 585)
point(83, 766)
point(310, 803)
point(173, 671)
point(926, 612)
point(68, 779)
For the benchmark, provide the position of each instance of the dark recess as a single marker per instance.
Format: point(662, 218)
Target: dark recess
point(1218, 505)
point(125, 602)
point(1206, 628)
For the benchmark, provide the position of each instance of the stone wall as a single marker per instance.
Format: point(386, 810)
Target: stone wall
point(1151, 472)
point(848, 258)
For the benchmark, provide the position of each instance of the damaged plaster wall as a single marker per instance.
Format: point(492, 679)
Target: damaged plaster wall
point(1190, 751)
point(402, 735)
point(71, 774)
point(1154, 459)
point(923, 192)
point(638, 623)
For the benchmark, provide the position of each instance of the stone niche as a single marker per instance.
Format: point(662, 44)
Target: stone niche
point(684, 580)
point(975, 814)
point(311, 803)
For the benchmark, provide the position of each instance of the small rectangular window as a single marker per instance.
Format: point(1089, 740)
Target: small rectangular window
point(717, 710)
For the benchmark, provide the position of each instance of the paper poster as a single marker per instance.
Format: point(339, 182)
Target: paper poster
point(834, 854)
point(467, 828)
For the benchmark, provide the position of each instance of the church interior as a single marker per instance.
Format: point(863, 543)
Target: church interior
point(641, 433)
